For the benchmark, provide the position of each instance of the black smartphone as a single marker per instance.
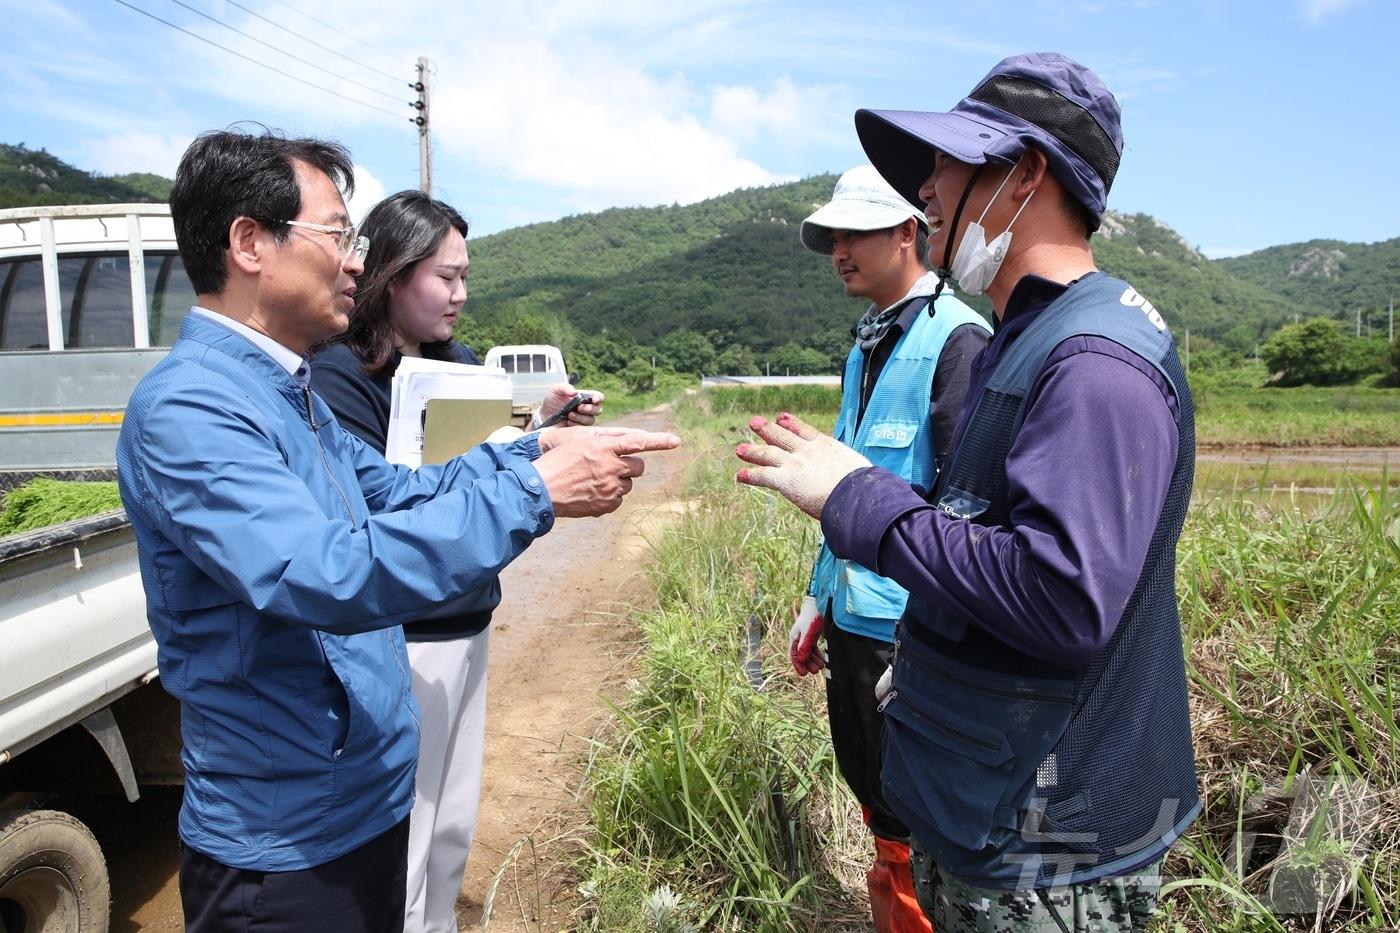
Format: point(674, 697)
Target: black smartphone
point(563, 413)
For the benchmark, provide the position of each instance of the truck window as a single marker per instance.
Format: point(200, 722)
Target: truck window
point(522, 362)
point(169, 296)
point(22, 322)
point(507, 363)
point(539, 363)
point(95, 301)
point(95, 292)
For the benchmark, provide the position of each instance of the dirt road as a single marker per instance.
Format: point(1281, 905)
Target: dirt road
point(559, 644)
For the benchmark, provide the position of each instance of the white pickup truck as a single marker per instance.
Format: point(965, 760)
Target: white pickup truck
point(90, 299)
point(80, 714)
point(533, 369)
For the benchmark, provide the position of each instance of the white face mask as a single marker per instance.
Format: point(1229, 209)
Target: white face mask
point(977, 261)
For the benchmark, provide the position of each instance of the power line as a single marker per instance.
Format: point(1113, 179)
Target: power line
point(279, 71)
point(310, 41)
point(295, 58)
point(341, 32)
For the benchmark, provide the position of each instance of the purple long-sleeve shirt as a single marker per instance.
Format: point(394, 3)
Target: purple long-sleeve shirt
point(1087, 477)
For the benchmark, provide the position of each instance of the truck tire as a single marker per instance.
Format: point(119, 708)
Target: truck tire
point(53, 877)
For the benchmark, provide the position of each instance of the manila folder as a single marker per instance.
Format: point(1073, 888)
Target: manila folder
point(453, 426)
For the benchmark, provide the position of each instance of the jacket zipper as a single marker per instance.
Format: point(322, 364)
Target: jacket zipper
point(938, 726)
point(350, 513)
point(402, 677)
point(311, 420)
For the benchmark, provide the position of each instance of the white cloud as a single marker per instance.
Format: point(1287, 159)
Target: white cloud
point(562, 96)
point(576, 118)
point(369, 191)
point(744, 112)
point(581, 102)
point(135, 151)
point(1315, 11)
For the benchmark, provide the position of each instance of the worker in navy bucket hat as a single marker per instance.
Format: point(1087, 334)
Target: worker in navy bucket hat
point(903, 384)
point(1037, 738)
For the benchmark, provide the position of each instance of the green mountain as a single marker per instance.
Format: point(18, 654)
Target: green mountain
point(30, 178)
point(732, 267)
point(1326, 276)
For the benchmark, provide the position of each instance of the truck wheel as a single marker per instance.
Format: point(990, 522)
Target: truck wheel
point(52, 875)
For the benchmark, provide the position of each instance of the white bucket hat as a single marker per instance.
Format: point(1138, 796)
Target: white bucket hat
point(862, 201)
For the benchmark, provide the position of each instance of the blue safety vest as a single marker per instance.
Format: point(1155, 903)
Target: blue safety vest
point(895, 434)
point(1019, 773)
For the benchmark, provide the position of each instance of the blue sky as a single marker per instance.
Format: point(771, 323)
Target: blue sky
point(1248, 123)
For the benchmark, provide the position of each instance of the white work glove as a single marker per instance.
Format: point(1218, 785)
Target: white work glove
point(559, 395)
point(806, 631)
point(883, 685)
point(799, 461)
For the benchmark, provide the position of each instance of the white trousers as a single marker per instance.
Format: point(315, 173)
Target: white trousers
point(449, 682)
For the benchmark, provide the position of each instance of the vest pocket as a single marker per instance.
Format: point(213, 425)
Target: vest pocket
point(950, 770)
point(870, 595)
point(962, 744)
point(889, 444)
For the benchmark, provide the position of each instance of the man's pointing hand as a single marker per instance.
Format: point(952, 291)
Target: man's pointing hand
point(590, 475)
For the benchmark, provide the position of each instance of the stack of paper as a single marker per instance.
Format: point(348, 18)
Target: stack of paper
point(418, 381)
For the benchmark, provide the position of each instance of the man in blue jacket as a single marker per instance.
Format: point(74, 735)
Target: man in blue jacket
point(1038, 738)
point(902, 388)
point(279, 554)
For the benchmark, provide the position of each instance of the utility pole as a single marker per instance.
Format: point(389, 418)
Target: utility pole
point(1358, 322)
point(425, 143)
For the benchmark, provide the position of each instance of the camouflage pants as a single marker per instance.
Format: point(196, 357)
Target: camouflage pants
point(1110, 905)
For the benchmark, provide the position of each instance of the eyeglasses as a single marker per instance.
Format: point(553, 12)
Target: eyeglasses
point(347, 237)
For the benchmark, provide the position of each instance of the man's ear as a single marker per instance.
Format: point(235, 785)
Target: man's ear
point(246, 244)
point(909, 232)
point(1030, 173)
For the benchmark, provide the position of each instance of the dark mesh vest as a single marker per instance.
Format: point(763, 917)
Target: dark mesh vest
point(1014, 772)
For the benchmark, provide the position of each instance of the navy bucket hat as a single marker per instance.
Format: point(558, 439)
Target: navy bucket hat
point(1041, 99)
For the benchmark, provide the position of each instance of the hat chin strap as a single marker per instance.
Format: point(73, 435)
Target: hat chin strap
point(944, 271)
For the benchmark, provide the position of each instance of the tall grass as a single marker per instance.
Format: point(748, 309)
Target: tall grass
point(716, 791)
point(1292, 621)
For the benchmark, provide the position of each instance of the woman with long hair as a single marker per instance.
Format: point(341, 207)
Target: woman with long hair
point(408, 299)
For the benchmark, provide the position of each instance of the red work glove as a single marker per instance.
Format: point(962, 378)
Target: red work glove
point(802, 638)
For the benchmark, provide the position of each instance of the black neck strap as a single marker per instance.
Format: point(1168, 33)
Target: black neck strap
point(943, 271)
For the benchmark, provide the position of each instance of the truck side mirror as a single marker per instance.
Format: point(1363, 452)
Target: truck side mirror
point(573, 379)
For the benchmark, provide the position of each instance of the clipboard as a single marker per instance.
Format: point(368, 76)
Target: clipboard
point(453, 426)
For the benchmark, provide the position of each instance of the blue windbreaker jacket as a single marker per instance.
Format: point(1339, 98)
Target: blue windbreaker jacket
point(279, 555)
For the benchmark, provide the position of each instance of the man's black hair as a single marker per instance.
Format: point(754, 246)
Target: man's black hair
point(226, 174)
point(1080, 214)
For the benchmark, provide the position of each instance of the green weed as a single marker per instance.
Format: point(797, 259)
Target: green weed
point(42, 502)
point(728, 798)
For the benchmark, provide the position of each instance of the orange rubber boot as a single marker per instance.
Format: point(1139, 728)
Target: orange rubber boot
point(892, 900)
